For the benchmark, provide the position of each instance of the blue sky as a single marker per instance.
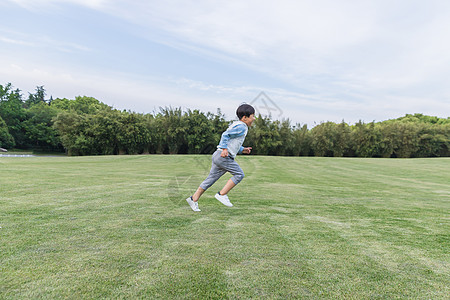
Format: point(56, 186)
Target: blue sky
point(322, 60)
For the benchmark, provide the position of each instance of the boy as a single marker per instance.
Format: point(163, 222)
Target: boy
point(223, 159)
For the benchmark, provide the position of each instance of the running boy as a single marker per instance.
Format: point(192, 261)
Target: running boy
point(223, 159)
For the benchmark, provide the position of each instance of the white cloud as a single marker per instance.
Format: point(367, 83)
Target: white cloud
point(45, 4)
point(146, 95)
point(344, 59)
point(15, 41)
point(40, 41)
point(366, 44)
point(122, 91)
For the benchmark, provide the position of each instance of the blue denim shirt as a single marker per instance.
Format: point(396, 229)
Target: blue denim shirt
point(233, 138)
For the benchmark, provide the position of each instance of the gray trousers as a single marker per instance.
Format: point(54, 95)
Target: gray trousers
point(221, 165)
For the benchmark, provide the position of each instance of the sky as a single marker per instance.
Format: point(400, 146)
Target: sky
point(309, 61)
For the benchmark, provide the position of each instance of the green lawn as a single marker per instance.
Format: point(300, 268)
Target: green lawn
point(303, 227)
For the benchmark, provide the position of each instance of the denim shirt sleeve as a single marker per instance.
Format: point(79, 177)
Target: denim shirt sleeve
point(230, 133)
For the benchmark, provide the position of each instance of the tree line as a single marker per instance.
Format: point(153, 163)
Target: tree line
point(86, 126)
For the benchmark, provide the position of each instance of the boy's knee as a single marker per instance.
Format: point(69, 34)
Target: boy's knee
point(239, 177)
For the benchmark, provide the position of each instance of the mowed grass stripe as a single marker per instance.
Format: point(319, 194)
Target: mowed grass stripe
point(119, 227)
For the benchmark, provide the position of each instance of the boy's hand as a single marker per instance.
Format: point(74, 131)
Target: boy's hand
point(224, 153)
point(247, 150)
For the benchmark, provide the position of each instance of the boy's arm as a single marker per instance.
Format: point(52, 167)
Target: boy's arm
point(231, 133)
point(224, 152)
point(247, 150)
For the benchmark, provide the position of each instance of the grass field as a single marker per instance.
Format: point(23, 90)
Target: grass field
point(305, 227)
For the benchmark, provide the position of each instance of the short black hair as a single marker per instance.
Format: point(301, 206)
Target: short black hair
point(244, 110)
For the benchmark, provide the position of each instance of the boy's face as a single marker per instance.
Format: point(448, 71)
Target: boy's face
point(248, 120)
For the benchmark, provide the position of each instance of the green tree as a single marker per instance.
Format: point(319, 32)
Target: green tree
point(219, 123)
point(6, 139)
point(399, 139)
point(264, 136)
point(134, 135)
point(172, 128)
point(150, 145)
point(39, 129)
point(81, 104)
point(302, 140)
point(365, 139)
point(13, 113)
point(61, 103)
point(434, 140)
point(286, 139)
point(199, 132)
point(421, 118)
point(341, 138)
point(103, 132)
point(36, 98)
point(87, 105)
point(71, 126)
point(322, 139)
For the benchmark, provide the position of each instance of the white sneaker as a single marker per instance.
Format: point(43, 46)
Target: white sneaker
point(224, 200)
point(193, 204)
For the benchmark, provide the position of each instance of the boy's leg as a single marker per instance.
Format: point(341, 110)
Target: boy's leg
point(235, 170)
point(215, 173)
point(198, 194)
point(228, 186)
point(218, 168)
